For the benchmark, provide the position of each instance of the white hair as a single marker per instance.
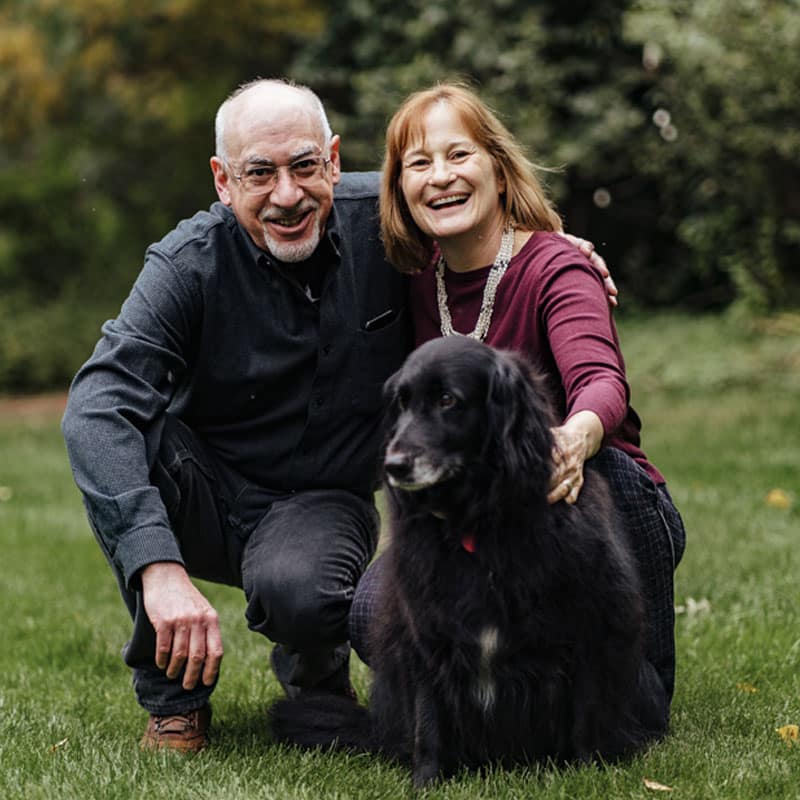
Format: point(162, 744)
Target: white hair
point(221, 119)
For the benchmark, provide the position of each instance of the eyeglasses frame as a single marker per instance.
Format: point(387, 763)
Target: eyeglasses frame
point(324, 162)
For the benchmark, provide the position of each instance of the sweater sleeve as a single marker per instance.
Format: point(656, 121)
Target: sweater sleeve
point(114, 416)
point(583, 339)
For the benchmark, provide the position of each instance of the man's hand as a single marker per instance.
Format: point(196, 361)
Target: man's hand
point(186, 624)
point(598, 262)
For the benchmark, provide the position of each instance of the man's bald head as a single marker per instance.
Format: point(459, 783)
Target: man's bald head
point(252, 98)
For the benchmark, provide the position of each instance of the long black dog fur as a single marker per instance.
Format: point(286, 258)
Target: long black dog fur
point(530, 647)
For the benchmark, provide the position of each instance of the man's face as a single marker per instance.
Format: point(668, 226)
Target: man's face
point(279, 136)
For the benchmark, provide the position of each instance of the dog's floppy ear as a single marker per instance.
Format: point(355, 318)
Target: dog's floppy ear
point(390, 388)
point(520, 418)
point(390, 404)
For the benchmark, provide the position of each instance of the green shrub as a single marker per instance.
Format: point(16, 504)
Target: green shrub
point(723, 143)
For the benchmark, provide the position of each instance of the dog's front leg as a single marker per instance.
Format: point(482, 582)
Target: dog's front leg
point(427, 741)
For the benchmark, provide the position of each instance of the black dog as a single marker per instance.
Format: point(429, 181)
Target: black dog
point(510, 630)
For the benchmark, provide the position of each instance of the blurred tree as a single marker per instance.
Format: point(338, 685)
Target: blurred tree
point(673, 124)
point(105, 136)
point(374, 52)
point(578, 83)
point(562, 77)
point(723, 138)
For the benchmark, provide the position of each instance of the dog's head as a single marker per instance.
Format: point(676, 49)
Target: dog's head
point(461, 410)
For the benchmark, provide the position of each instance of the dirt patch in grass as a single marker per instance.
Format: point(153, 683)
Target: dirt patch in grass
point(33, 407)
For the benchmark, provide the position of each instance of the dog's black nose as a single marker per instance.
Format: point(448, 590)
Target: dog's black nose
point(398, 465)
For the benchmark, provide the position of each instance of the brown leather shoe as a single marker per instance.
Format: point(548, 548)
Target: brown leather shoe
point(186, 732)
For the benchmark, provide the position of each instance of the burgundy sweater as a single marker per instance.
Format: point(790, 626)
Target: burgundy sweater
point(552, 306)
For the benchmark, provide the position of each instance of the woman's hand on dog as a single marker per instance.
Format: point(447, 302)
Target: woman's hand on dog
point(576, 440)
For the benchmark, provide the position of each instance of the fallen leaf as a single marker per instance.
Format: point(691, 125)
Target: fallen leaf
point(789, 733)
point(58, 745)
point(655, 786)
point(6, 493)
point(778, 498)
point(743, 686)
point(693, 607)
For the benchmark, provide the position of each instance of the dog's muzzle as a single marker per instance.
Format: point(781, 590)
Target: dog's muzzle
point(412, 473)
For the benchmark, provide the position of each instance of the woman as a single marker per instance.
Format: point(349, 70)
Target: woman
point(462, 209)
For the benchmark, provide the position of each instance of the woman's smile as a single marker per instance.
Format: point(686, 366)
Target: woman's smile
point(452, 189)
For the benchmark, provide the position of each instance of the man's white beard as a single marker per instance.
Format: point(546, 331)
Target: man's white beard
point(293, 252)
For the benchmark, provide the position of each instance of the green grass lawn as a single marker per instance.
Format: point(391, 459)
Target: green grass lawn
point(721, 405)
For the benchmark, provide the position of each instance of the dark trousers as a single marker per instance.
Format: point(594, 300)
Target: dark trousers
point(658, 538)
point(298, 557)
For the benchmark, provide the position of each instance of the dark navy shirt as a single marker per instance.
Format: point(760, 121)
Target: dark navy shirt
point(284, 388)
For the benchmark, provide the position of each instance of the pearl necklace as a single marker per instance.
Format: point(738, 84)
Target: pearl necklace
point(499, 268)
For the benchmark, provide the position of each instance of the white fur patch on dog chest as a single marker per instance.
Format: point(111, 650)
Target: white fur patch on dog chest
point(489, 643)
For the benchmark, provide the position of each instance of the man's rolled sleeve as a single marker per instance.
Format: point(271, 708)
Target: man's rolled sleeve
point(132, 548)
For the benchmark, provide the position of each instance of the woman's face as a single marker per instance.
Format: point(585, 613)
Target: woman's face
point(449, 182)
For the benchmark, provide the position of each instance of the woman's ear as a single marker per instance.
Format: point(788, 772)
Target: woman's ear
point(502, 183)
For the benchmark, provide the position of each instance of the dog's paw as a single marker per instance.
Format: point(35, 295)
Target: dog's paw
point(425, 773)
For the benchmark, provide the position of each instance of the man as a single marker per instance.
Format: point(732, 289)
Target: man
point(226, 426)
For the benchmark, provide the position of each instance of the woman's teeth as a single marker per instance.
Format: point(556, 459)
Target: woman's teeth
point(452, 200)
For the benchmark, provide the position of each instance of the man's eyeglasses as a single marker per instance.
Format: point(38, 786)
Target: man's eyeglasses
point(262, 177)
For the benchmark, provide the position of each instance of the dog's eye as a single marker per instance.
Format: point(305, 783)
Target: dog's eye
point(447, 400)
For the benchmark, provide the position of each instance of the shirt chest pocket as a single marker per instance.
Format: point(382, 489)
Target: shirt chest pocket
point(380, 348)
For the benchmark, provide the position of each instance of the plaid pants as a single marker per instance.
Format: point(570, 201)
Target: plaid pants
point(656, 533)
